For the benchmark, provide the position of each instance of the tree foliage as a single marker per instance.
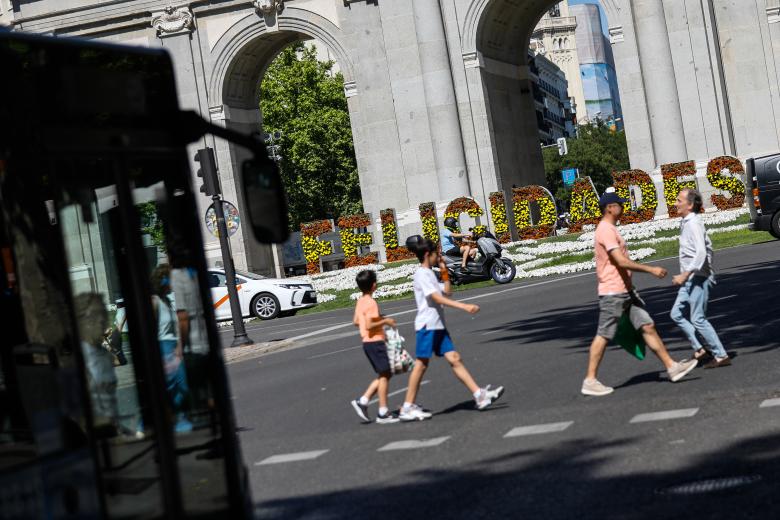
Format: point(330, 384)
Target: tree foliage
point(304, 99)
point(596, 152)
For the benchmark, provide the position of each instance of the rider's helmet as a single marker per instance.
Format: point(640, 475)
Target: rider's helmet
point(451, 223)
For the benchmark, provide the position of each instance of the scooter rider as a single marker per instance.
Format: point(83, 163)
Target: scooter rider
point(449, 242)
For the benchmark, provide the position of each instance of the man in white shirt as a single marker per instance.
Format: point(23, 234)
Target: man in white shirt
point(696, 278)
point(432, 336)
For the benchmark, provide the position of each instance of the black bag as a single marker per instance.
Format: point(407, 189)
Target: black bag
point(115, 344)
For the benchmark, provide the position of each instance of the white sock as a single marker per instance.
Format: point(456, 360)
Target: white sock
point(382, 410)
point(407, 405)
point(477, 393)
point(363, 400)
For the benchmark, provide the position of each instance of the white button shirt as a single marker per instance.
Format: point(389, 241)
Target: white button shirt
point(695, 247)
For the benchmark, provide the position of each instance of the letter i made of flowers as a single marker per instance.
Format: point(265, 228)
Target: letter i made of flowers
point(499, 217)
point(430, 223)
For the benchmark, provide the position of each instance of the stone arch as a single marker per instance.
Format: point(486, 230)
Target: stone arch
point(249, 46)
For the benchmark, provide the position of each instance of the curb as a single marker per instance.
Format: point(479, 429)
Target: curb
point(236, 354)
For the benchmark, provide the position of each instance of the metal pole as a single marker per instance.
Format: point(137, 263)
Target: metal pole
point(239, 332)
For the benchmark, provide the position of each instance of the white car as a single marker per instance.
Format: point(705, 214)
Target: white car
point(265, 298)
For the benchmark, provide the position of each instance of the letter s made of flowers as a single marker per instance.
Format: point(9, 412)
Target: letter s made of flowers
point(352, 240)
point(722, 174)
point(649, 202)
point(521, 205)
point(672, 173)
point(584, 204)
point(313, 248)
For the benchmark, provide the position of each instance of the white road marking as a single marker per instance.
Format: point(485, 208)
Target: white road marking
point(492, 332)
point(292, 457)
point(723, 298)
point(400, 391)
point(477, 297)
point(538, 429)
point(413, 444)
point(768, 403)
point(664, 416)
point(335, 352)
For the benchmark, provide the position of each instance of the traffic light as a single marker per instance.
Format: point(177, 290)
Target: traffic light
point(208, 172)
point(563, 146)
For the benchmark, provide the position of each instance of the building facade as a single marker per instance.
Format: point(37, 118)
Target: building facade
point(597, 67)
point(439, 92)
point(551, 98)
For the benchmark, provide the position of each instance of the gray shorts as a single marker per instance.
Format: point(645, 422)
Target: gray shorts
point(612, 308)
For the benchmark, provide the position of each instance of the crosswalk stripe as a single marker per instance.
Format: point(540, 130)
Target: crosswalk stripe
point(292, 457)
point(770, 402)
point(664, 416)
point(538, 429)
point(413, 444)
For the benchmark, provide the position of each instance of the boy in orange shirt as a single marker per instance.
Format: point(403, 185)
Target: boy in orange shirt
point(371, 324)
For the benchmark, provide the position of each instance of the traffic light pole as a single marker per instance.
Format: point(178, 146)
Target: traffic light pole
point(240, 337)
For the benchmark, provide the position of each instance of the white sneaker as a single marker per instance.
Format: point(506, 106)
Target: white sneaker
point(595, 388)
point(488, 396)
point(414, 413)
point(361, 410)
point(681, 369)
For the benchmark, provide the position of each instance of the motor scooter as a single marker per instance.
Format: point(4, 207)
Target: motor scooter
point(486, 265)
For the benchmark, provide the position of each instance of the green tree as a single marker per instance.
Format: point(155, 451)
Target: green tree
point(596, 152)
point(304, 99)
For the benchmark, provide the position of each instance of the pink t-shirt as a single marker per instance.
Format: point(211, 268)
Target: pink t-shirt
point(365, 309)
point(608, 238)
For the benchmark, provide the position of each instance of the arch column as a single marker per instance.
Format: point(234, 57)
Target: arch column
point(443, 118)
point(663, 103)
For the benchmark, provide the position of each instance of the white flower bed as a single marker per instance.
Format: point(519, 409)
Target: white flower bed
point(528, 256)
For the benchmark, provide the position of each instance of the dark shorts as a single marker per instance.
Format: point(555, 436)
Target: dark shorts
point(376, 352)
point(430, 342)
point(612, 308)
point(455, 251)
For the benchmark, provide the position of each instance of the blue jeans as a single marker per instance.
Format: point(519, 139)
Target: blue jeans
point(695, 294)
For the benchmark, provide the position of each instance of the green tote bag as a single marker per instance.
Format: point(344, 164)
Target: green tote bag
point(629, 338)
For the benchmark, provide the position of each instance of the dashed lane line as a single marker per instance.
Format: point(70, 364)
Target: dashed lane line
point(768, 403)
point(414, 444)
point(292, 457)
point(399, 391)
point(538, 429)
point(665, 415)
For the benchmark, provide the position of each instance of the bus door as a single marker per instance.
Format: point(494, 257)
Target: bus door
point(115, 397)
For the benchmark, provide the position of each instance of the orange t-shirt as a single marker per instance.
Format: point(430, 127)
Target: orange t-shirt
point(608, 238)
point(365, 309)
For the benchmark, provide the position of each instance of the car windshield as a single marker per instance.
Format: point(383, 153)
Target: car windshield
point(251, 276)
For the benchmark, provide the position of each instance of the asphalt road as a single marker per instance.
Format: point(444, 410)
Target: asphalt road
point(710, 447)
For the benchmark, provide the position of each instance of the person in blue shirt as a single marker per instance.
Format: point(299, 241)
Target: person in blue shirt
point(451, 242)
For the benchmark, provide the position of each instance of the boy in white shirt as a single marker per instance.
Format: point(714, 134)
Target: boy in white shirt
point(432, 336)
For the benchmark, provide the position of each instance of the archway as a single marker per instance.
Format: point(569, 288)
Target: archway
point(241, 58)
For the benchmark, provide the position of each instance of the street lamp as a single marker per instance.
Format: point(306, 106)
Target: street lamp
point(270, 140)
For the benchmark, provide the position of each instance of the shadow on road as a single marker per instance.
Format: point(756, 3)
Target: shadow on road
point(748, 320)
point(566, 481)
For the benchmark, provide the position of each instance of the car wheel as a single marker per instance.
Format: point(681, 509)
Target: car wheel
point(265, 306)
point(774, 228)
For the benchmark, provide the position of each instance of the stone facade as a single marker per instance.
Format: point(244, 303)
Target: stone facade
point(438, 90)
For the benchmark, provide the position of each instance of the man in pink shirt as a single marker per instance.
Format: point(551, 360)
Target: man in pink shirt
point(618, 297)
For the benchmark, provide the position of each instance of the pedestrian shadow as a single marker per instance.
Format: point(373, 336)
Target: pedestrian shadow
point(748, 321)
point(584, 478)
point(470, 406)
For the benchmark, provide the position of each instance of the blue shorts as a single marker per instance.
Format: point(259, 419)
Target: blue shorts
point(431, 342)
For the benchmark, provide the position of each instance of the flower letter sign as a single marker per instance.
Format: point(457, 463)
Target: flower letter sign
point(313, 248)
point(350, 240)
